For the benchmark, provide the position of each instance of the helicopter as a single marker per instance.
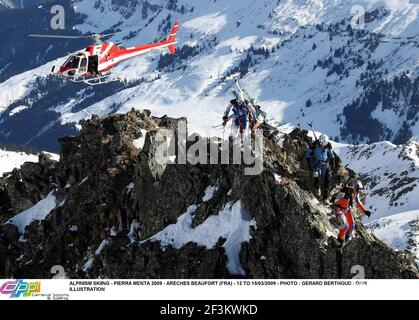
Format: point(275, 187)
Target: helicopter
point(93, 65)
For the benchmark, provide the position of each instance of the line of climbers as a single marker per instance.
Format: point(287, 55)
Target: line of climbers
point(322, 163)
point(247, 115)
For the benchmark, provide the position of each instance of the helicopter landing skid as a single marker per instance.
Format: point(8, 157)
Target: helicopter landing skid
point(95, 80)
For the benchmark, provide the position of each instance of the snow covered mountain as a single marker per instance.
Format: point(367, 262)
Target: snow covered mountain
point(401, 232)
point(390, 174)
point(391, 177)
point(301, 59)
point(10, 160)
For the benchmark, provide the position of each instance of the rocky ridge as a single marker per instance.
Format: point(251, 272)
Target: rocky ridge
point(119, 214)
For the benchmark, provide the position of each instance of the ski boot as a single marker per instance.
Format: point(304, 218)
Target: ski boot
point(349, 237)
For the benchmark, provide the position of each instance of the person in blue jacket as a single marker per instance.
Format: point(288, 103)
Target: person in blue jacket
point(240, 116)
point(320, 157)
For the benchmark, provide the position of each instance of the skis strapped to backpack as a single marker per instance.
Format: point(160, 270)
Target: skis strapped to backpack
point(242, 91)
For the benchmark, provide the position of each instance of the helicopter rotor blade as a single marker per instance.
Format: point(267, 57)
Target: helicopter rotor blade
point(56, 36)
point(117, 32)
point(95, 37)
point(110, 34)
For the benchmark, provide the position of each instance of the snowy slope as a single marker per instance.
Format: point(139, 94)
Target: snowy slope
point(10, 160)
point(232, 224)
point(298, 13)
point(401, 231)
point(38, 212)
point(390, 174)
point(21, 85)
point(391, 177)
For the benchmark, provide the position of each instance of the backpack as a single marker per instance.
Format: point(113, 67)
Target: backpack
point(338, 195)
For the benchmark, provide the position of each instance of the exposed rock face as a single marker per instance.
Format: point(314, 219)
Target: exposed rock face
point(21, 189)
point(114, 200)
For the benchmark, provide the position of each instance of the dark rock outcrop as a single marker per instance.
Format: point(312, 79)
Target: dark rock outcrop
point(113, 198)
point(23, 188)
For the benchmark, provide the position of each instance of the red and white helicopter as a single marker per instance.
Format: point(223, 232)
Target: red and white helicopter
point(93, 64)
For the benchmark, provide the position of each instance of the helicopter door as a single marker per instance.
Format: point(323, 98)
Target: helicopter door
point(83, 65)
point(93, 64)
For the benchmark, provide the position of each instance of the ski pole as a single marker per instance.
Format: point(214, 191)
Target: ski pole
point(312, 129)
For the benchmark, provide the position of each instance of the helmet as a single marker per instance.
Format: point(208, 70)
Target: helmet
point(356, 185)
point(254, 101)
point(324, 140)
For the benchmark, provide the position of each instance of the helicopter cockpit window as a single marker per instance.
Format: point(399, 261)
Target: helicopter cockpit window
point(72, 62)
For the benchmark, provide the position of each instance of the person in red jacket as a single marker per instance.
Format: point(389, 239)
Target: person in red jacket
point(342, 206)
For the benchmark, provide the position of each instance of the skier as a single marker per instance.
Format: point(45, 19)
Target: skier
point(240, 118)
point(318, 158)
point(342, 206)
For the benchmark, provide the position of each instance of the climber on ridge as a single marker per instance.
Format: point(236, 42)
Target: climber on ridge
point(319, 157)
point(241, 116)
point(342, 204)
